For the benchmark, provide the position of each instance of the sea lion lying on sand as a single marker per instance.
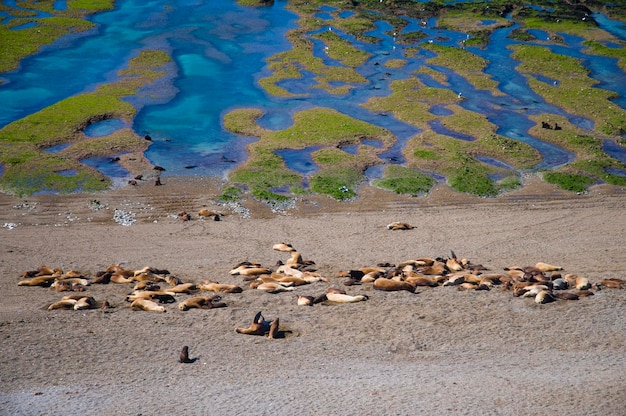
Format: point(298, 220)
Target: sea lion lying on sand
point(219, 287)
point(389, 285)
point(399, 226)
point(260, 326)
point(201, 302)
point(146, 305)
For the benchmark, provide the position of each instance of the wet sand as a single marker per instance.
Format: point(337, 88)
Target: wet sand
point(438, 351)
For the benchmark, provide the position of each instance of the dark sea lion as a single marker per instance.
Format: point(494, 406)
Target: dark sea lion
point(184, 356)
point(566, 296)
point(103, 278)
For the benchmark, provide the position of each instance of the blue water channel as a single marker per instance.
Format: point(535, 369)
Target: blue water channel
point(220, 51)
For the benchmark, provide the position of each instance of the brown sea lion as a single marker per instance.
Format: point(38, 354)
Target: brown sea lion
point(545, 267)
point(343, 298)
point(73, 281)
point(249, 270)
point(119, 270)
point(295, 259)
point(437, 268)
point(120, 279)
point(613, 283)
point(305, 300)
point(565, 296)
point(578, 282)
point(396, 225)
point(146, 277)
point(44, 280)
point(63, 304)
point(584, 293)
point(201, 302)
point(146, 305)
point(284, 247)
point(172, 280)
point(453, 265)
point(275, 287)
point(389, 285)
point(418, 280)
point(454, 280)
point(103, 278)
point(62, 286)
point(219, 287)
point(205, 213)
point(259, 326)
point(467, 286)
point(40, 271)
point(86, 302)
point(160, 295)
point(544, 296)
point(183, 288)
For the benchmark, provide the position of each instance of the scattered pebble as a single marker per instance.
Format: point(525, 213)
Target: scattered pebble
point(124, 218)
point(9, 225)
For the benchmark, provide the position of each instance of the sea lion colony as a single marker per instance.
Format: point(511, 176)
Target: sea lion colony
point(153, 289)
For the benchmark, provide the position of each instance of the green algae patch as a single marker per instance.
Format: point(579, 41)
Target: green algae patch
point(468, 21)
point(575, 91)
point(124, 140)
point(29, 169)
point(243, 122)
point(410, 101)
point(573, 26)
point(17, 43)
point(342, 50)
point(395, 63)
point(405, 181)
point(597, 48)
point(569, 181)
point(265, 172)
point(290, 64)
point(458, 160)
point(591, 161)
point(464, 63)
point(341, 173)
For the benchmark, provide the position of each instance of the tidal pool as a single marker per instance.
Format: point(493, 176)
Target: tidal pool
point(220, 51)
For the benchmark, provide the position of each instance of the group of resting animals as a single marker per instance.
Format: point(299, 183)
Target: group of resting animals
point(153, 287)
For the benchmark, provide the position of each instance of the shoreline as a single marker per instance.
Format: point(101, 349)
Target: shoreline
point(396, 352)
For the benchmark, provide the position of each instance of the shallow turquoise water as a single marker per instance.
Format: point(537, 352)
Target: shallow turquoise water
point(219, 51)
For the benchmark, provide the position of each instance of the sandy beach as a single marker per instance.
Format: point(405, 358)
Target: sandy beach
point(439, 350)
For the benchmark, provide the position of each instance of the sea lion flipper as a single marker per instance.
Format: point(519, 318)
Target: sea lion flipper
point(273, 333)
point(258, 318)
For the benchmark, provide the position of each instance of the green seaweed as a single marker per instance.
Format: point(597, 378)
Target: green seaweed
point(405, 181)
